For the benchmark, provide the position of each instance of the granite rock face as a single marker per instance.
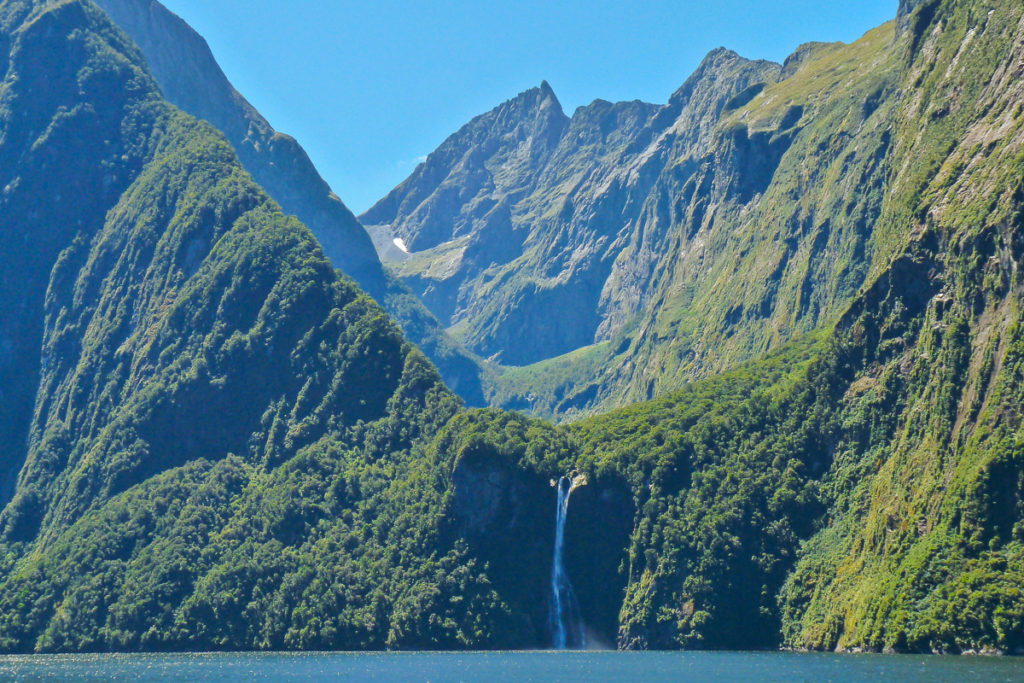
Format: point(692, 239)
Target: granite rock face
point(534, 214)
point(639, 246)
point(495, 156)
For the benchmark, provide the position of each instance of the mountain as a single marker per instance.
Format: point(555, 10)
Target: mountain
point(862, 487)
point(180, 361)
point(612, 236)
point(214, 440)
point(189, 77)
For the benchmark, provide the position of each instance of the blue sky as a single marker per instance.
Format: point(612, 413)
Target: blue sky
point(369, 87)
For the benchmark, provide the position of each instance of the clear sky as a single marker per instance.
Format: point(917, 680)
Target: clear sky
point(369, 87)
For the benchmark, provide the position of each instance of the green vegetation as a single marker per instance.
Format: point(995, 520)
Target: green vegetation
point(722, 475)
point(540, 388)
point(223, 423)
point(619, 239)
point(224, 444)
point(190, 78)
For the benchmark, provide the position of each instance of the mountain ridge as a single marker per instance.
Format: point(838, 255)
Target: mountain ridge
point(189, 76)
point(599, 233)
point(192, 341)
point(222, 443)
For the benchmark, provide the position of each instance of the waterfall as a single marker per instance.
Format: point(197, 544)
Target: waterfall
point(566, 626)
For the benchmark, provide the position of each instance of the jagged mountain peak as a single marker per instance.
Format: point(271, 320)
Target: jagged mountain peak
point(718, 56)
point(538, 102)
point(498, 151)
point(512, 232)
point(718, 68)
point(535, 210)
point(549, 99)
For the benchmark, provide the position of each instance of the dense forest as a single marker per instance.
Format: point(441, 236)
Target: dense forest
point(212, 439)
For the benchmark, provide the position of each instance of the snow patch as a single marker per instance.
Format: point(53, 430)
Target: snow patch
point(400, 243)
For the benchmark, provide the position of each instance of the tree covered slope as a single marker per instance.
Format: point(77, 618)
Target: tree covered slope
point(199, 365)
point(190, 78)
point(214, 440)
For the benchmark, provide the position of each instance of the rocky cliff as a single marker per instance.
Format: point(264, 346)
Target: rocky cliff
point(613, 237)
point(523, 215)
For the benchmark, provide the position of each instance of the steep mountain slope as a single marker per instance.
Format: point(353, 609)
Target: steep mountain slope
point(524, 210)
point(863, 488)
point(796, 186)
point(618, 245)
point(931, 546)
point(190, 78)
point(63, 165)
point(216, 409)
point(888, 472)
point(226, 445)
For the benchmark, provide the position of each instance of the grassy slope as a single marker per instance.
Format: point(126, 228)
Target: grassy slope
point(903, 438)
point(925, 548)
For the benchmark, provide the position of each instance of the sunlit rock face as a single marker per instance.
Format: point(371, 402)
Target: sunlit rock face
point(528, 219)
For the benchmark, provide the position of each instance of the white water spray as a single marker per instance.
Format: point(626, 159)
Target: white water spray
point(566, 626)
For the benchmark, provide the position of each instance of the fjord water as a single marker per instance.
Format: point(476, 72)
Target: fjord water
point(510, 666)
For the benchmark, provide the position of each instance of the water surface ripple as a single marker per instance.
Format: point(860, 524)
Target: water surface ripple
point(495, 667)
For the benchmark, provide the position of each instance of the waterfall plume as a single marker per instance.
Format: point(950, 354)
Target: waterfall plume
point(566, 625)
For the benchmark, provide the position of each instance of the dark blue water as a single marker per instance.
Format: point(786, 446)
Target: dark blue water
point(494, 667)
